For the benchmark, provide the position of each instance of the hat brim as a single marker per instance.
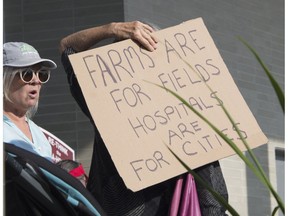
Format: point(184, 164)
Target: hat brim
point(48, 63)
point(45, 62)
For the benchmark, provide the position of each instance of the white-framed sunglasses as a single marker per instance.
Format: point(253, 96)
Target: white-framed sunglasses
point(27, 75)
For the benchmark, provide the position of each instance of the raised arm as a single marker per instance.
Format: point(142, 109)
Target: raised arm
point(84, 39)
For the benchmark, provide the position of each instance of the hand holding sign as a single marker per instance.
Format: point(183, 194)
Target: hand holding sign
point(141, 118)
point(140, 32)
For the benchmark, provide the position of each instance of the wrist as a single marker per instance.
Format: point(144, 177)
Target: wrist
point(112, 29)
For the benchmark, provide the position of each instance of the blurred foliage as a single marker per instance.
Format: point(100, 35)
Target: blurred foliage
point(252, 163)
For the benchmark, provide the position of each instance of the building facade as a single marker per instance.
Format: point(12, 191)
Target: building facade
point(259, 22)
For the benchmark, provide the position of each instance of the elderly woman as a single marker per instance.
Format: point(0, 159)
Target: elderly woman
point(24, 72)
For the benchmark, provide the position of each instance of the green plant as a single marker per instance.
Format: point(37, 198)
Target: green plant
point(274, 83)
point(254, 165)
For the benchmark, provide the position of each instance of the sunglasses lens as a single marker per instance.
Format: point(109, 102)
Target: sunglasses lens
point(27, 75)
point(44, 75)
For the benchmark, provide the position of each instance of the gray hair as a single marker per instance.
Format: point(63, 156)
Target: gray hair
point(8, 75)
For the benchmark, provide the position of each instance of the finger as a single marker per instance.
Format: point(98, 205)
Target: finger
point(145, 43)
point(148, 27)
point(154, 38)
point(145, 38)
point(142, 40)
point(151, 35)
point(150, 39)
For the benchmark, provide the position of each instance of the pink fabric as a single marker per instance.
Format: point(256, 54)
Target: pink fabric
point(185, 199)
point(175, 203)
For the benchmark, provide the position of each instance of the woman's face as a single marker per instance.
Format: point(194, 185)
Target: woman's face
point(25, 95)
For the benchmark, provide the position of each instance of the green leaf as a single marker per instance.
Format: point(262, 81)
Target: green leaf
point(258, 171)
point(275, 85)
point(255, 166)
point(275, 210)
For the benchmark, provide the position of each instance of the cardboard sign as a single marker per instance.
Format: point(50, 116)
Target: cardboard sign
point(138, 120)
point(60, 150)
